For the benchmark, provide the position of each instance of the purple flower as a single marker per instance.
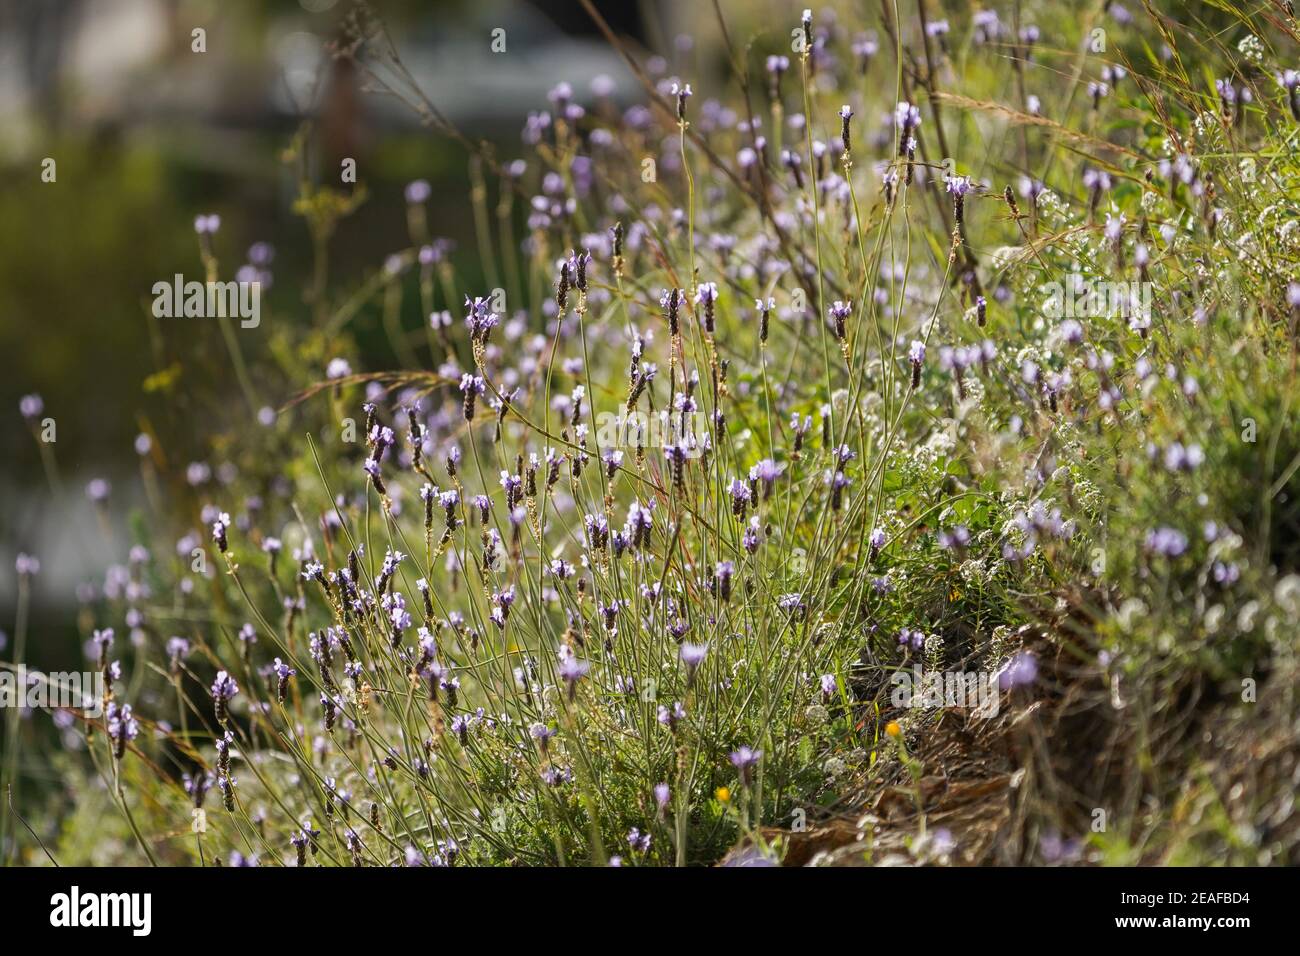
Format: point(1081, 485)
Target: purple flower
point(375, 473)
point(662, 794)
point(31, 406)
point(692, 656)
point(460, 727)
point(839, 314)
point(542, 734)
point(1227, 94)
point(177, 649)
point(682, 93)
point(749, 856)
point(1097, 181)
point(1166, 541)
point(741, 497)
point(877, 541)
point(838, 483)
point(765, 472)
point(227, 785)
point(573, 670)
point(958, 187)
point(955, 537)
point(224, 689)
point(638, 841)
point(197, 786)
point(722, 575)
point(707, 296)
point(102, 639)
point(671, 716)
point(353, 840)
point(418, 191)
point(471, 387)
point(671, 300)
point(986, 25)
point(561, 569)
point(792, 602)
point(481, 319)
point(577, 263)
point(219, 528)
point(282, 672)
point(744, 760)
point(1289, 80)
point(1055, 849)
point(907, 118)
point(122, 727)
point(300, 841)
point(1226, 574)
point(1020, 671)
point(943, 841)
point(338, 368)
point(864, 47)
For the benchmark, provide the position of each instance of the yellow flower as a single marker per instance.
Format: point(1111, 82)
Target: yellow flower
point(893, 729)
point(723, 794)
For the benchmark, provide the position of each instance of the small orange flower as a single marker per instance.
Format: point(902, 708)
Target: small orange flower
point(893, 729)
point(723, 794)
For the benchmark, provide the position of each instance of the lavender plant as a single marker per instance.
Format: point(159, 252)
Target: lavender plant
point(913, 344)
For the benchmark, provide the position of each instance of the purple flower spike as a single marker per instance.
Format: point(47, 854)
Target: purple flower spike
point(224, 689)
point(1020, 672)
point(745, 760)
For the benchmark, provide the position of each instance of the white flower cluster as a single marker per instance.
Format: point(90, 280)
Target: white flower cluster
point(1252, 48)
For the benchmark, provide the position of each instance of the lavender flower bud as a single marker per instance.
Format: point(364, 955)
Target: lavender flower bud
point(916, 355)
point(219, 528)
point(840, 312)
point(682, 93)
point(122, 727)
point(224, 689)
point(617, 232)
point(744, 760)
point(671, 299)
point(765, 312)
point(707, 295)
point(722, 574)
point(1289, 80)
point(958, 187)
point(472, 386)
point(562, 288)
point(282, 672)
point(227, 786)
